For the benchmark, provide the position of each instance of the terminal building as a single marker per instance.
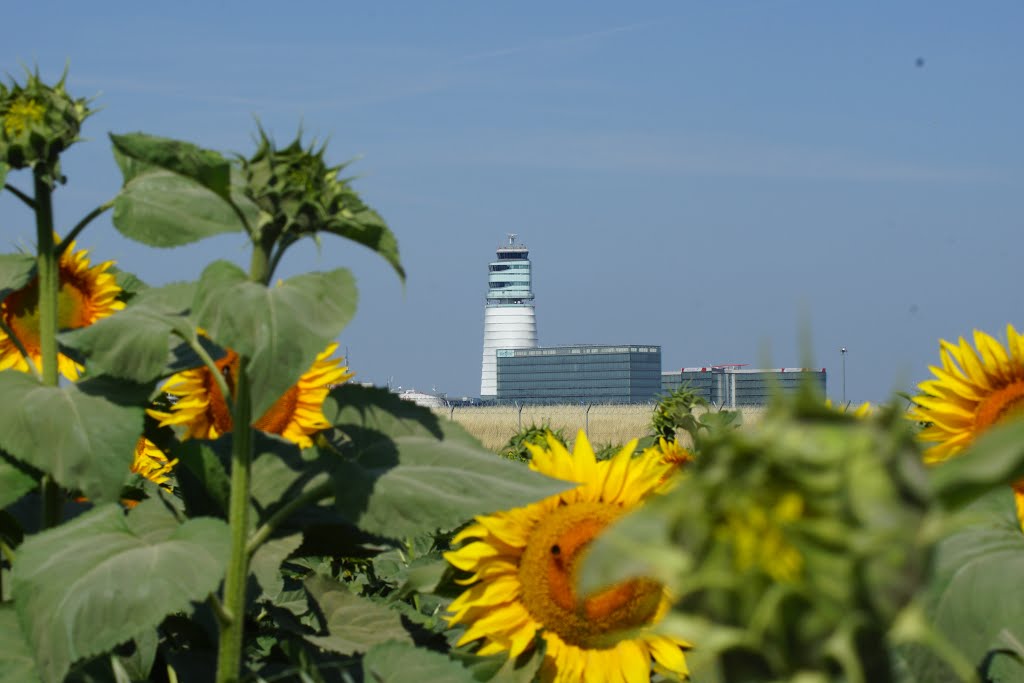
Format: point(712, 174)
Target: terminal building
point(583, 373)
point(733, 386)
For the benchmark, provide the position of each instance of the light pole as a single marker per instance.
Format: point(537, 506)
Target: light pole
point(843, 352)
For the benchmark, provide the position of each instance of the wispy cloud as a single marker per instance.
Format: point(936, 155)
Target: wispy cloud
point(552, 43)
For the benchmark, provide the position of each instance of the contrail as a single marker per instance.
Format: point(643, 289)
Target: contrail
point(552, 42)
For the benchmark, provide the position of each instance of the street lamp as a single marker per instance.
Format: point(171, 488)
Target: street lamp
point(843, 352)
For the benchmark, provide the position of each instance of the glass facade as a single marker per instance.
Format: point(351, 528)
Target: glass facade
point(733, 387)
point(579, 374)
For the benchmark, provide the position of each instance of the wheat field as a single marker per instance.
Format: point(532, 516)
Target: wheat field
point(605, 424)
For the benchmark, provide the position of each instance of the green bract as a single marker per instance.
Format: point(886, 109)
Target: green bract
point(37, 123)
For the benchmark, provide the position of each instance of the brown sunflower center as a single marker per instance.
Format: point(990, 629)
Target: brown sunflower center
point(1003, 404)
point(74, 309)
point(548, 569)
point(274, 421)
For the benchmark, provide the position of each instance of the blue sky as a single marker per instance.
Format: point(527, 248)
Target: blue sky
point(717, 178)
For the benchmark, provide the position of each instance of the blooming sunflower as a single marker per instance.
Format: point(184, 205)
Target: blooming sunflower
point(295, 416)
point(87, 294)
point(524, 564)
point(973, 390)
point(151, 463)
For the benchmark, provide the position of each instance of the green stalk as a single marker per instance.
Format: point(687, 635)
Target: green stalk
point(49, 285)
point(232, 634)
point(29, 202)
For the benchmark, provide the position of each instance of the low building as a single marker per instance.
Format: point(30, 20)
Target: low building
point(423, 398)
point(733, 386)
point(582, 373)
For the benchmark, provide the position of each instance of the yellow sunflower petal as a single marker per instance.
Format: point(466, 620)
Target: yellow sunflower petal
point(669, 654)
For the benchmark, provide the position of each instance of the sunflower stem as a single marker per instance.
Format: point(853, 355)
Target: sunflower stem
point(49, 280)
point(275, 259)
point(49, 285)
point(5, 552)
point(232, 633)
point(259, 266)
point(20, 195)
point(215, 372)
point(221, 614)
point(75, 231)
point(260, 536)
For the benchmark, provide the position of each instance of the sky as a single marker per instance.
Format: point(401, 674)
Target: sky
point(759, 182)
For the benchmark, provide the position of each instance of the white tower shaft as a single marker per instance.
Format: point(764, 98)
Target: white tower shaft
point(509, 318)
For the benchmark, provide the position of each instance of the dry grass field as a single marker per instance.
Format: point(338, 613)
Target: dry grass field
point(607, 424)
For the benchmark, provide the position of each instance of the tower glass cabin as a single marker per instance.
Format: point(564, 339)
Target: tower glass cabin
point(509, 319)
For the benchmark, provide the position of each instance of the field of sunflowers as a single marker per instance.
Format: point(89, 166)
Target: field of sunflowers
point(190, 490)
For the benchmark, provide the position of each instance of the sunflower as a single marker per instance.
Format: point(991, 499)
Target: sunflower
point(151, 463)
point(973, 390)
point(295, 416)
point(524, 564)
point(87, 294)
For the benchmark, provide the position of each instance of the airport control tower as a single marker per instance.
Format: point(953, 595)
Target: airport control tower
point(509, 320)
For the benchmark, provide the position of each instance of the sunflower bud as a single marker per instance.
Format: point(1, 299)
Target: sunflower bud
point(804, 533)
point(37, 123)
point(303, 195)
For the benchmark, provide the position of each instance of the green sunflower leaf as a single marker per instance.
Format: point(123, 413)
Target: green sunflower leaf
point(105, 577)
point(146, 340)
point(970, 599)
point(175, 297)
point(266, 563)
point(353, 624)
point(405, 663)
point(414, 473)
point(17, 665)
point(15, 272)
point(4, 169)
point(138, 343)
point(14, 481)
point(281, 329)
point(366, 227)
point(83, 434)
point(281, 472)
point(130, 283)
point(206, 167)
point(161, 208)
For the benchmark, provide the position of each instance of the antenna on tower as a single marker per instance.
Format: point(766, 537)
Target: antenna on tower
point(511, 238)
